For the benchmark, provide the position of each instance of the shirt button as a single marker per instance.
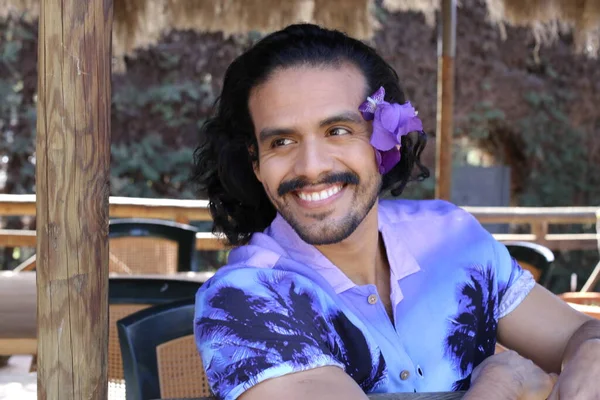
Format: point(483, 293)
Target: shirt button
point(372, 299)
point(404, 375)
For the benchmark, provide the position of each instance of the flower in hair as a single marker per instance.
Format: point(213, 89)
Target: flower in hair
point(390, 123)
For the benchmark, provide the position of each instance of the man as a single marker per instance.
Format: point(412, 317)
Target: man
point(333, 292)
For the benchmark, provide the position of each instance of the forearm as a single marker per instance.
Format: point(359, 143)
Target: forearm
point(587, 333)
point(492, 383)
point(490, 389)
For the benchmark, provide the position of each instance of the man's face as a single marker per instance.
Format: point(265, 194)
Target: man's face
point(314, 157)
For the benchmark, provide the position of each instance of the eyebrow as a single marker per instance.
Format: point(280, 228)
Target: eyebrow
point(344, 117)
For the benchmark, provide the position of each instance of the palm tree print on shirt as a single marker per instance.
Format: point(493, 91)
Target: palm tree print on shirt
point(472, 333)
point(253, 333)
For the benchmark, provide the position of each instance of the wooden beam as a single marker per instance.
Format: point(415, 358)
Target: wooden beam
point(72, 181)
point(445, 100)
point(17, 238)
point(197, 210)
point(594, 278)
point(120, 207)
point(527, 215)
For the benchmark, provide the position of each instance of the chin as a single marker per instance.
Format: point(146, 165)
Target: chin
point(327, 233)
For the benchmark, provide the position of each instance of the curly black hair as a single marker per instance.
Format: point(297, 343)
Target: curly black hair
point(223, 162)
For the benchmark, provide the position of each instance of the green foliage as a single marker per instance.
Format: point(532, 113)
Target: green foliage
point(174, 104)
point(555, 167)
point(17, 112)
point(17, 126)
point(150, 169)
point(482, 120)
point(557, 154)
point(146, 165)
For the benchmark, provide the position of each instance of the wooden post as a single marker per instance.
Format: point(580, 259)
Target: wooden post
point(445, 96)
point(540, 230)
point(72, 184)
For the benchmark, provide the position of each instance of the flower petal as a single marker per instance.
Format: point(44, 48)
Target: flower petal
point(413, 124)
point(379, 95)
point(389, 159)
point(367, 109)
point(382, 139)
point(389, 116)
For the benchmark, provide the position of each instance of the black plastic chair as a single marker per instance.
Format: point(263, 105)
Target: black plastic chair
point(184, 235)
point(141, 333)
point(152, 291)
point(534, 257)
point(126, 296)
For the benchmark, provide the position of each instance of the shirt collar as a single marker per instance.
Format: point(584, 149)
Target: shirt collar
point(402, 262)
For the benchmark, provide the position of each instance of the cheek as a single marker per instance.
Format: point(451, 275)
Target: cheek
point(272, 171)
point(360, 156)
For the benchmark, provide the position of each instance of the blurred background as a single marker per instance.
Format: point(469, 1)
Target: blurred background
point(526, 116)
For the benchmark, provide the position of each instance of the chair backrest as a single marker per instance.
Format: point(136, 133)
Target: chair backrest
point(534, 257)
point(159, 355)
point(127, 296)
point(180, 371)
point(139, 245)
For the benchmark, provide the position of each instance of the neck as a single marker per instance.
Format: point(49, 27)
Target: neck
point(361, 254)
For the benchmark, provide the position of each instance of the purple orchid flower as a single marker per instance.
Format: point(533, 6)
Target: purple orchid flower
point(390, 123)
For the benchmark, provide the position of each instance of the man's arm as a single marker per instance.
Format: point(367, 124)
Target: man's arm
point(315, 384)
point(545, 329)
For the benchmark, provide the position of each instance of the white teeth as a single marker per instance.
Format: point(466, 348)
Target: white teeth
point(322, 195)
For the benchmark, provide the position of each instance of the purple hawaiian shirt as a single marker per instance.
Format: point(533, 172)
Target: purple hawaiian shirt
point(280, 306)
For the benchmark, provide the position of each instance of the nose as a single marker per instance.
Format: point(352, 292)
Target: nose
point(313, 159)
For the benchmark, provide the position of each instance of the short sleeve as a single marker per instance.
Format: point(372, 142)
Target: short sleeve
point(253, 324)
point(514, 283)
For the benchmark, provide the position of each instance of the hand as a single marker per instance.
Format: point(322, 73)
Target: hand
point(579, 378)
point(508, 376)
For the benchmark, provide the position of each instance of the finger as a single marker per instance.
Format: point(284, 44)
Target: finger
point(554, 393)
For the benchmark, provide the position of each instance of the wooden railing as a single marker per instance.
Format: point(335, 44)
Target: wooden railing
point(538, 218)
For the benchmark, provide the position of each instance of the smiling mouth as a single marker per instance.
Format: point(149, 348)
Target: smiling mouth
point(320, 195)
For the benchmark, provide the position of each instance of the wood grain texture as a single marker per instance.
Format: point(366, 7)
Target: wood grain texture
point(445, 126)
point(72, 182)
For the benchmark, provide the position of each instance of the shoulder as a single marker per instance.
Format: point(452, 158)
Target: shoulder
point(239, 288)
point(415, 210)
point(440, 230)
point(428, 214)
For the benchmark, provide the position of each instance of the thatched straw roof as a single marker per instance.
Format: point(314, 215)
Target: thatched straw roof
point(550, 17)
point(140, 22)
point(546, 18)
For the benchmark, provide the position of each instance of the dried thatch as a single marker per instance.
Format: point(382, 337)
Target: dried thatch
point(237, 16)
point(351, 16)
point(140, 22)
point(550, 17)
point(427, 7)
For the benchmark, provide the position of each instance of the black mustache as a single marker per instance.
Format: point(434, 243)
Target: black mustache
point(299, 183)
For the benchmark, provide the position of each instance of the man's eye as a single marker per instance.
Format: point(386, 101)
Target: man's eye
point(281, 142)
point(339, 132)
